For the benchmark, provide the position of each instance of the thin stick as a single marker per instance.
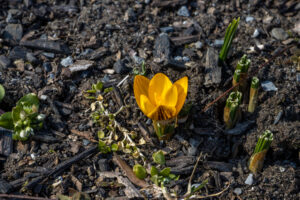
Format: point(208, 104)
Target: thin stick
point(23, 197)
point(254, 73)
point(212, 195)
point(189, 190)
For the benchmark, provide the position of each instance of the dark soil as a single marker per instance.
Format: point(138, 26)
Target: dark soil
point(113, 37)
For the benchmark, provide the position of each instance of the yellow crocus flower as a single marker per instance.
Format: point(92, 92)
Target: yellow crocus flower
point(158, 98)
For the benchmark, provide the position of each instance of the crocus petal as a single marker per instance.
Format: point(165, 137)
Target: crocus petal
point(162, 113)
point(140, 87)
point(158, 87)
point(170, 97)
point(146, 106)
point(182, 88)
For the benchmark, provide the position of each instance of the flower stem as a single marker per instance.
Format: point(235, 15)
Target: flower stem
point(231, 110)
point(229, 35)
point(164, 129)
point(253, 94)
point(260, 151)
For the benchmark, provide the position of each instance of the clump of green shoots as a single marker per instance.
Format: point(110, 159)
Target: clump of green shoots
point(231, 110)
point(243, 66)
point(263, 144)
point(229, 35)
point(24, 117)
point(253, 94)
point(158, 177)
point(110, 139)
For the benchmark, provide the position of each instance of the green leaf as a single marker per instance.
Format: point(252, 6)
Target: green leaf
point(103, 148)
point(98, 86)
point(2, 92)
point(139, 171)
point(6, 121)
point(195, 189)
point(114, 147)
point(18, 114)
point(155, 180)
point(29, 99)
point(159, 157)
point(154, 171)
point(101, 134)
point(107, 90)
point(165, 172)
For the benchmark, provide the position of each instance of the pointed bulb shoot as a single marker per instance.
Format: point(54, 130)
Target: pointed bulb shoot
point(253, 94)
point(231, 110)
point(262, 146)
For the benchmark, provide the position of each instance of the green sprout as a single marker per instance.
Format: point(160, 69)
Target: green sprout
point(243, 66)
point(229, 35)
point(24, 117)
point(2, 92)
point(262, 146)
point(253, 94)
point(142, 72)
point(231, 110)
point(236, 77)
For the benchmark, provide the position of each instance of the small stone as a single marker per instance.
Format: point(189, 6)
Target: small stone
point(192, 150)
point(31, 58)
point(185, 59)
point(4, 62)
point(13, 32)
point(85, 142)
point(249, 19)
point(183, 11)
point(167, 29)
point(130, 15)
point(67, 61)
point(278, 117)
point(178, 58)
point(120, 67)
point(43, 97)
point(218, 43)
point(49, 55)
point(47, 67)
point(281, 169)
point(255, 33)
point(237, 191)
point(17, 53)
point(147, 1)
point(80, 65)
point(279, 34)
point(103, 165)
point(162, 48)
point(268, 86)
point(198, 45)
point(297, 27)
point(249, 180)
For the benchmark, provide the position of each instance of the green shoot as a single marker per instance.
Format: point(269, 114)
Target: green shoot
point(2, 92)
point(260, 151)
point(253, 94)
point(231, 110)
point(229, 35)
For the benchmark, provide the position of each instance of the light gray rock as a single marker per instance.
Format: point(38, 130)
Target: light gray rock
point(279, 34)
point(183, 11)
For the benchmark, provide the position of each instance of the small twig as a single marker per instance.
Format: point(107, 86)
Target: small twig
point(254, 73)
point(189, 189)
point(23, 197)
